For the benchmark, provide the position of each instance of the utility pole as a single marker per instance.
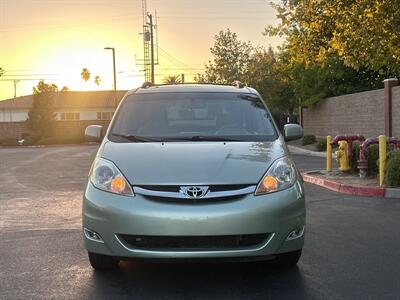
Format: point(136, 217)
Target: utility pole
point(150, 23)
point(115, 75)
point(150, 44)
point(183, 77)
point(15, 87)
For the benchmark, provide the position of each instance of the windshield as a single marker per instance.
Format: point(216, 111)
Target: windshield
point(192, 117)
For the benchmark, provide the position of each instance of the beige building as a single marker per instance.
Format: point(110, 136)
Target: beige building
point(73, 111)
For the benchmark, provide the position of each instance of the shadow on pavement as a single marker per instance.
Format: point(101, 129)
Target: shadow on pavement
point(198, 281)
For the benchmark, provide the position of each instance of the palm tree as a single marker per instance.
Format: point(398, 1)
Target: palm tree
point(172, 79)
point(85, 74)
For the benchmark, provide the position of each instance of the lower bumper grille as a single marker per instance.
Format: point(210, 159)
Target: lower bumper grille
point(196, 243)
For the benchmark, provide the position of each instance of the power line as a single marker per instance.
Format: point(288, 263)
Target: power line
point(172, 59)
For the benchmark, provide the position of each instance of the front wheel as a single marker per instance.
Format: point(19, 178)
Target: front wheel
point(289, 259)
point(102, 262)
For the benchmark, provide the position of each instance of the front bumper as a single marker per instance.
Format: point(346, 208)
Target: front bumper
point(111, 215)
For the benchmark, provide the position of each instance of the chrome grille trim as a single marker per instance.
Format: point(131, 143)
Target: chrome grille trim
point(210, 195)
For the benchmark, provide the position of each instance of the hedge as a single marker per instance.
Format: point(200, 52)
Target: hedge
point(308, 139)
point(392, 170)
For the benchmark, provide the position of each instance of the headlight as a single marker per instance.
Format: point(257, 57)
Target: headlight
point(281, 175)
point(105, 176)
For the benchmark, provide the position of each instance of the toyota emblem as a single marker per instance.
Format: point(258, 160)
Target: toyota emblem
point(194, 192)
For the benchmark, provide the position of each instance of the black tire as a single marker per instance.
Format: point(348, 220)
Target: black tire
point(289, 259)
point(102, 262)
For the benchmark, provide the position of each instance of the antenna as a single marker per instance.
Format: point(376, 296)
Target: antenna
point(149, 59)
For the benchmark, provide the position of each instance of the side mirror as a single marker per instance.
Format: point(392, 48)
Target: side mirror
point(94, 133)
point(292, 132)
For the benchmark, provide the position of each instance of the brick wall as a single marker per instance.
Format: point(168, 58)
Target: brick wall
point(11, 130)
point(67, 129)
point(359, 113)
point(72, 129)
point(396, 111)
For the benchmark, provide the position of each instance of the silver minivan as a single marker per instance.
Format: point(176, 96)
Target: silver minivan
point(193, 172)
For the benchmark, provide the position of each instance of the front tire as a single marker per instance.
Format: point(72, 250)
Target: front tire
point(102, 262)
point(288, 260)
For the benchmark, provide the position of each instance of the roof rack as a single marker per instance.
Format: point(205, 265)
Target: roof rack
point(238, 84)
point(147, 84)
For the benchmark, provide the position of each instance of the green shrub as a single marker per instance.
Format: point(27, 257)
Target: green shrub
point(392, 170)
point(47, 141)
point(8, 142)
point(31, 140)
point(53, 140)
point(355, 157)
point(320, 146)
point(372, 156)
point(308, 139)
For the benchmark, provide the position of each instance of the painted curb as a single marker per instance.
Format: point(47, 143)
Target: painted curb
point(348, 189)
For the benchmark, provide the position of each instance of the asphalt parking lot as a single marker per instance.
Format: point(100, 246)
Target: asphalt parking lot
point(352, 248)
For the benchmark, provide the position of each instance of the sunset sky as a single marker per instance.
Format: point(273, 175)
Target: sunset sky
point(54, 39)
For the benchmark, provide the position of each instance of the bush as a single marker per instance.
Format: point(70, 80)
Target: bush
point(32, 140)
point(308, 139)
point(60, 140)
point(372, 156)
point(47, 141)
point(8, 142)
point(355, 157)
point(392, 170)
point(320, 146)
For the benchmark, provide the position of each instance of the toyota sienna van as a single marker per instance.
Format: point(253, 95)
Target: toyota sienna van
point(193, 172)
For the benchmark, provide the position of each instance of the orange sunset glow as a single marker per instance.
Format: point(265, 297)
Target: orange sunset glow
point(54, 40)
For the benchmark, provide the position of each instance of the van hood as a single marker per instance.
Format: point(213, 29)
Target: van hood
point(193, 163)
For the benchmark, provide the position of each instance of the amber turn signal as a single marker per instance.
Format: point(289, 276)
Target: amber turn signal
point(268, 184)
point(118, 185)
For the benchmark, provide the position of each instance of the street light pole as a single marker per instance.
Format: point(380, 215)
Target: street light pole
point(115, 76)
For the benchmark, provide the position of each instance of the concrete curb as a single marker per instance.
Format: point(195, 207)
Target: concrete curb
point(48, 146)
point(348, 189)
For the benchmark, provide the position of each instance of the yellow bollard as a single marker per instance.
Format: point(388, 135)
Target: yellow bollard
point(328, 153)
point(382, 158)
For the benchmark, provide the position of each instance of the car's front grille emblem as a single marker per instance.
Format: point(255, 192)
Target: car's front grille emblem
point(194, 192)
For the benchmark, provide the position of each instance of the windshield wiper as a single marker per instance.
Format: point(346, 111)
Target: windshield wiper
point(203, 138)
point(134, 138)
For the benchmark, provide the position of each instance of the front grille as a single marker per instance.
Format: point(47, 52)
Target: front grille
point(196, 243)
point(212, 188)
point(188, 201)
point(172, 193)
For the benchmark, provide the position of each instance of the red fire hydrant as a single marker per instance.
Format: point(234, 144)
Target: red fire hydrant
point(349, 139)
point(362, 163)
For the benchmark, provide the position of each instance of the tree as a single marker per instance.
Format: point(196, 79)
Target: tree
point(363, 34)
point(1, 72)
point(230, 59)
point(266, 74)
point(42, 112)
point(97, 80)
point(64, 89)
point(172, 79)
point(85, 74)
